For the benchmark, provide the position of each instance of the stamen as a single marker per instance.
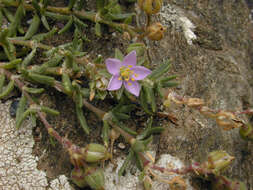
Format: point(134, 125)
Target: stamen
point(136, 75)
point(132, 79)
point(119, 78)
point(129, 83)
point(126, 73)
point(130, 66)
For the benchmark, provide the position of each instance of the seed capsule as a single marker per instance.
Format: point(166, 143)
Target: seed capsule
point(155, 31)
point(218, 161)
point(150, 6)
point(246, 132)
point(94, 153)
point(95, 178)
point(77, 176)
point(226, 120)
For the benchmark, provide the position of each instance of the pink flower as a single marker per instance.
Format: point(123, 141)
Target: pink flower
point(126, 72)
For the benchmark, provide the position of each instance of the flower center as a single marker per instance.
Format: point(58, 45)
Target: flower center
point(126, 74)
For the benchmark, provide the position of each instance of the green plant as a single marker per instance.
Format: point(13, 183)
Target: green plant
point(65, 66)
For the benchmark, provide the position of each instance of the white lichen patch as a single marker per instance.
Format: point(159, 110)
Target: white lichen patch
point(126, 182)
point(171, 16)
point(251, 16)
point(130, 180)
point(170, 162)
point(18, 167)
point(60, 183)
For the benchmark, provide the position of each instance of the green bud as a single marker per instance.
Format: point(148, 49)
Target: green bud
point(94, 153)
point(78, 177)
point(137, 145)
point(246, 132)
point(217, 161)
point(95, 178)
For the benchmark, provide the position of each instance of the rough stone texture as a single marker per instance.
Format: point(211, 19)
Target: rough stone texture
point(60, 183)
point(18, 167)
point(216, 67)
point(131, 181)
point(209, 43)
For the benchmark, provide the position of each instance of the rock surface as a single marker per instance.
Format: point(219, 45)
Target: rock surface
point(216, 67)
point(210, 47)
point(18, 167)
point(131, 180)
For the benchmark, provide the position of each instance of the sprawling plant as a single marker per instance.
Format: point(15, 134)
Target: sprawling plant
point(123, 78)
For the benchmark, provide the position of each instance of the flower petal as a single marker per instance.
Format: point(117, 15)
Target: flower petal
point(113, 65)
point(114, 83)
point(130, 59)
point(133, 87)
point(140, 72)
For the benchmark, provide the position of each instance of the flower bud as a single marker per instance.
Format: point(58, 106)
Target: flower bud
point(218, 161)
point(177, 183)
point(150, 6)
point(147, 182)
point(77, 176)
point(94, 153)
point(226, 120)
point(246, 132)
point(101, 83)
point(155, 31)
point(137, 145)
point(95, 178)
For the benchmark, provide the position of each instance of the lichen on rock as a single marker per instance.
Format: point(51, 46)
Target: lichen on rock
point(18, 167)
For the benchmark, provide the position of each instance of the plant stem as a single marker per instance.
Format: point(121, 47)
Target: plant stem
point(64, 141)
point(100, 113)
point(91, 16)
point(30, 43)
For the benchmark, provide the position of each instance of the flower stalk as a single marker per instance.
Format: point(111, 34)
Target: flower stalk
point(227, 120)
